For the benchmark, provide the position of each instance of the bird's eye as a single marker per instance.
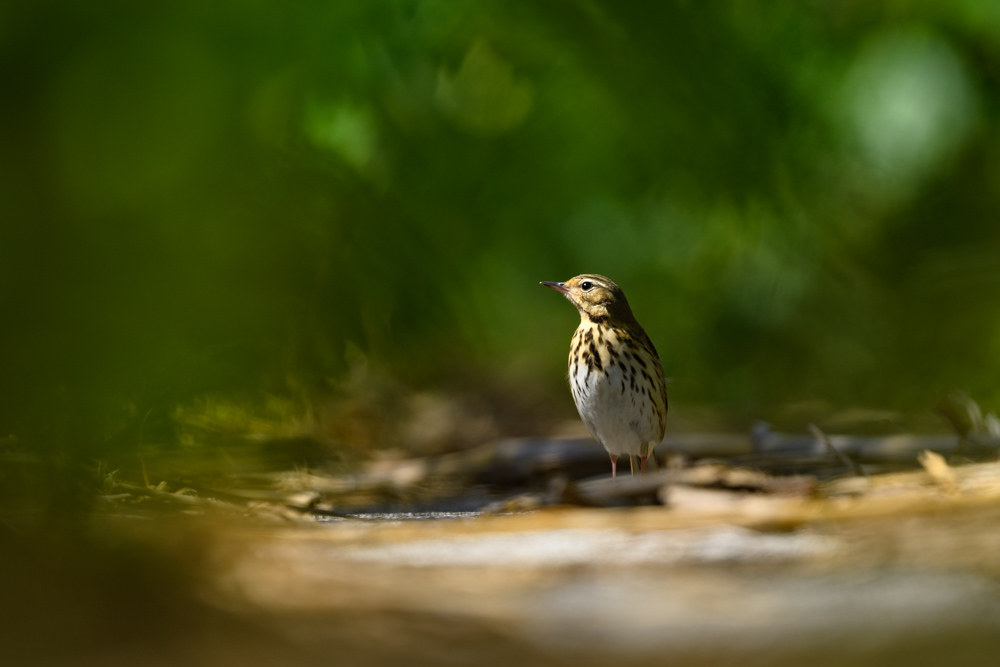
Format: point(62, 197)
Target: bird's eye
point(586, 285)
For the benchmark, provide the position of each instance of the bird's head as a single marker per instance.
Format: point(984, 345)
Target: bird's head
point(596, 297)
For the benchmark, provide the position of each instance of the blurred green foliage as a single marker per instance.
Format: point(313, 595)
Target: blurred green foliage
point(800, 199)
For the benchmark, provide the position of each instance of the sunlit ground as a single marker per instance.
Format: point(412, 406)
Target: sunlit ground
point(517, 550)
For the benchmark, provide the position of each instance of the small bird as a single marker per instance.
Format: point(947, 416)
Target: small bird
point(614, 371)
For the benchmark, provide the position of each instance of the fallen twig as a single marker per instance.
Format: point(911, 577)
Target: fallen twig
point(854, 465)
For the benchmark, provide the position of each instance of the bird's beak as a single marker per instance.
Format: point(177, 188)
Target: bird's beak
point(559, 287)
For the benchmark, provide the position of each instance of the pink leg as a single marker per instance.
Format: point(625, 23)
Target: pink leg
point(614, 465)
point(642, 465)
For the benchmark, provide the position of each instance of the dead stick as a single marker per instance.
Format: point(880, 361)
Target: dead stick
point(855, 466)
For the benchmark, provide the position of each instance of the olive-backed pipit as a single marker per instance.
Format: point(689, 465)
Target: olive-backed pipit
point(614, 371)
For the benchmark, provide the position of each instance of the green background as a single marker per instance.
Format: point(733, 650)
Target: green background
point(236, 199)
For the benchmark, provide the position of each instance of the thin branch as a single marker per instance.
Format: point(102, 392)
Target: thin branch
point(825, 439)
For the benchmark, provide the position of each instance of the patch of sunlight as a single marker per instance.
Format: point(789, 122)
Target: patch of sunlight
point(484, 96)
point(909, 102)
point(345, 129)
point(275, 417)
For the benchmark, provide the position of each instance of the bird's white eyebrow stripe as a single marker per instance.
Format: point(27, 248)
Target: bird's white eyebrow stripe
point(595, 280)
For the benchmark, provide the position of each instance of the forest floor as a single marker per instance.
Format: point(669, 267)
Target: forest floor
point(708, 562)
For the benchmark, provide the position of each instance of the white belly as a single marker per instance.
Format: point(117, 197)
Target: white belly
point(622, 419)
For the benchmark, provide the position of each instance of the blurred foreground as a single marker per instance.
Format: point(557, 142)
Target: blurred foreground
point(708, 562)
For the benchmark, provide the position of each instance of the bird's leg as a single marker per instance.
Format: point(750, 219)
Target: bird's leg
point(631, 464)
point(614, 465)
point(642, 465)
